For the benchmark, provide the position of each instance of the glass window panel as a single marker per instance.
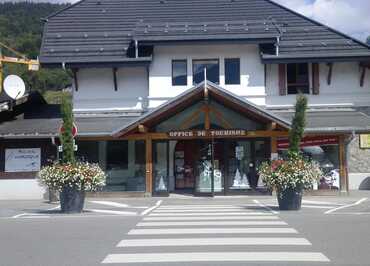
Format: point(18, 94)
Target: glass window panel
point(213, 71)
point(240, 163)
point(124, 172)
point(117, 154)
point(232, 71)
point(179, 72)
point(204, 168)
point(161, 161)
point(327, 156)
point(298, 78)
point(88, 151)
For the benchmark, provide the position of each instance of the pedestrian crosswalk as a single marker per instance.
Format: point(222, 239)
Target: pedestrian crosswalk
point(214, 234)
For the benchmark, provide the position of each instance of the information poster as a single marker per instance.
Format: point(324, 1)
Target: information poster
point(22, 160)
point(365, 141)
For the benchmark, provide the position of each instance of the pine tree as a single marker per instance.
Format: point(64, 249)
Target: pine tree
point(66, 136)
point(298, 125)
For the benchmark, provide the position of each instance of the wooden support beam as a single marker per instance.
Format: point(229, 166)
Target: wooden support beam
point(142, 129)
point(207, 119)
point(75, 78)
point(226, 124)
point(149, 165)
point(330, 72)
point(271, 126)
point(274, 147)
point(115, 79)
point(363, 75)
point(249, 134)
point(343, 164)
point(186, 124)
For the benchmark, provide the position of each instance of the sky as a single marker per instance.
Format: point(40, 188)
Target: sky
point(349, 16)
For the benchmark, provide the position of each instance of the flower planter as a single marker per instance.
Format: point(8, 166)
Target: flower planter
point(72, 200)
point(290, 199)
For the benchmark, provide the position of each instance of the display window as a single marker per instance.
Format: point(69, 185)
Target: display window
point(324, 151)
point(123, 161)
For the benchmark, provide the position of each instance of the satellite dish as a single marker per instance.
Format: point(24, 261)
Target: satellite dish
point(14, 87)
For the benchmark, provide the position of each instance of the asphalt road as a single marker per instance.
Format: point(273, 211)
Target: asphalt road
point(187, 231)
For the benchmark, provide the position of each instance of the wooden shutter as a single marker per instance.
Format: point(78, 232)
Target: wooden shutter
point(315, 79)
point(282, 79)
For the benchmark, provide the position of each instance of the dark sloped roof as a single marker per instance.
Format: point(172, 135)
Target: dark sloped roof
point(102, 30)
point(37, 119)
point(335, 121)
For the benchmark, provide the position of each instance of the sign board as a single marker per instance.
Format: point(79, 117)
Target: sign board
point(14, 87)
point(22, 160)
point(365, 141)
point(310, 141)
point(74, 130)
point(208, 133)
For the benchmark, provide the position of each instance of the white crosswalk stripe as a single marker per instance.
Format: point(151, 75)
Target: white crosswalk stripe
point(191, 233)
point(221, 241)
point(240, 213)
point(208, 223)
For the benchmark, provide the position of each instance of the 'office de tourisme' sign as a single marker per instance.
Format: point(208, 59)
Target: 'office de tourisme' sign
point(208, 133)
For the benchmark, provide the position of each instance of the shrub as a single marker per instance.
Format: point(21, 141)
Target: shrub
point(294, 173)
point(81, 175)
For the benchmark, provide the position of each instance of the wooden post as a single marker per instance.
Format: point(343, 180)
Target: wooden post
point(149, 165)
point(207, 120)
point(274, 147)
point(343, 165)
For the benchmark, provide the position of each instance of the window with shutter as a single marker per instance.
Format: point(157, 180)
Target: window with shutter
point(298, 78)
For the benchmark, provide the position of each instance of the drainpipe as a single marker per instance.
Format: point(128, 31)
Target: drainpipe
point(277, 45)
point(347, 142)
point(53, 195)
point(136, 49)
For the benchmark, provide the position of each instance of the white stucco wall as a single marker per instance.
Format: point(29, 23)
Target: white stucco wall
point(251, 69)
point(356, 180)
point(20, 189)
point(96, 89)
point(345, 89)
point(137, 90)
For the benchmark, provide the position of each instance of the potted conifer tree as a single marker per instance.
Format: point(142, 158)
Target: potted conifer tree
point(289, 177)
point(68, 176)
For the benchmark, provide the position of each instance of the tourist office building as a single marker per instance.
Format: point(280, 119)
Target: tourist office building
point(192, 96)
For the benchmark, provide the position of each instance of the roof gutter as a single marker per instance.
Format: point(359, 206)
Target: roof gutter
point(276, 59)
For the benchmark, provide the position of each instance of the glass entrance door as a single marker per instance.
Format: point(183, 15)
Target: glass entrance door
point(209, 168)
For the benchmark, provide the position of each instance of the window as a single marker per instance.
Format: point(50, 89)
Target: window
point(297, 77)
point(232, 71)
point(117, 155)
point(213, 71)
point(179, 73)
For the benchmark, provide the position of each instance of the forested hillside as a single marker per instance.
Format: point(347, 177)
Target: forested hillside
point(21, 28)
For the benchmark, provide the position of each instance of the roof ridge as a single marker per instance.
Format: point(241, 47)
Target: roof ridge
point(320, 24)
point(64, 9)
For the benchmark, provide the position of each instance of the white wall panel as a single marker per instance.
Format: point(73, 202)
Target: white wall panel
point(345, 89)
point(251, 69)
point(96, 89)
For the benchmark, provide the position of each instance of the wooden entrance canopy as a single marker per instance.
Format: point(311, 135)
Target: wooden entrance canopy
point(144, 127)
point(275, 125)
